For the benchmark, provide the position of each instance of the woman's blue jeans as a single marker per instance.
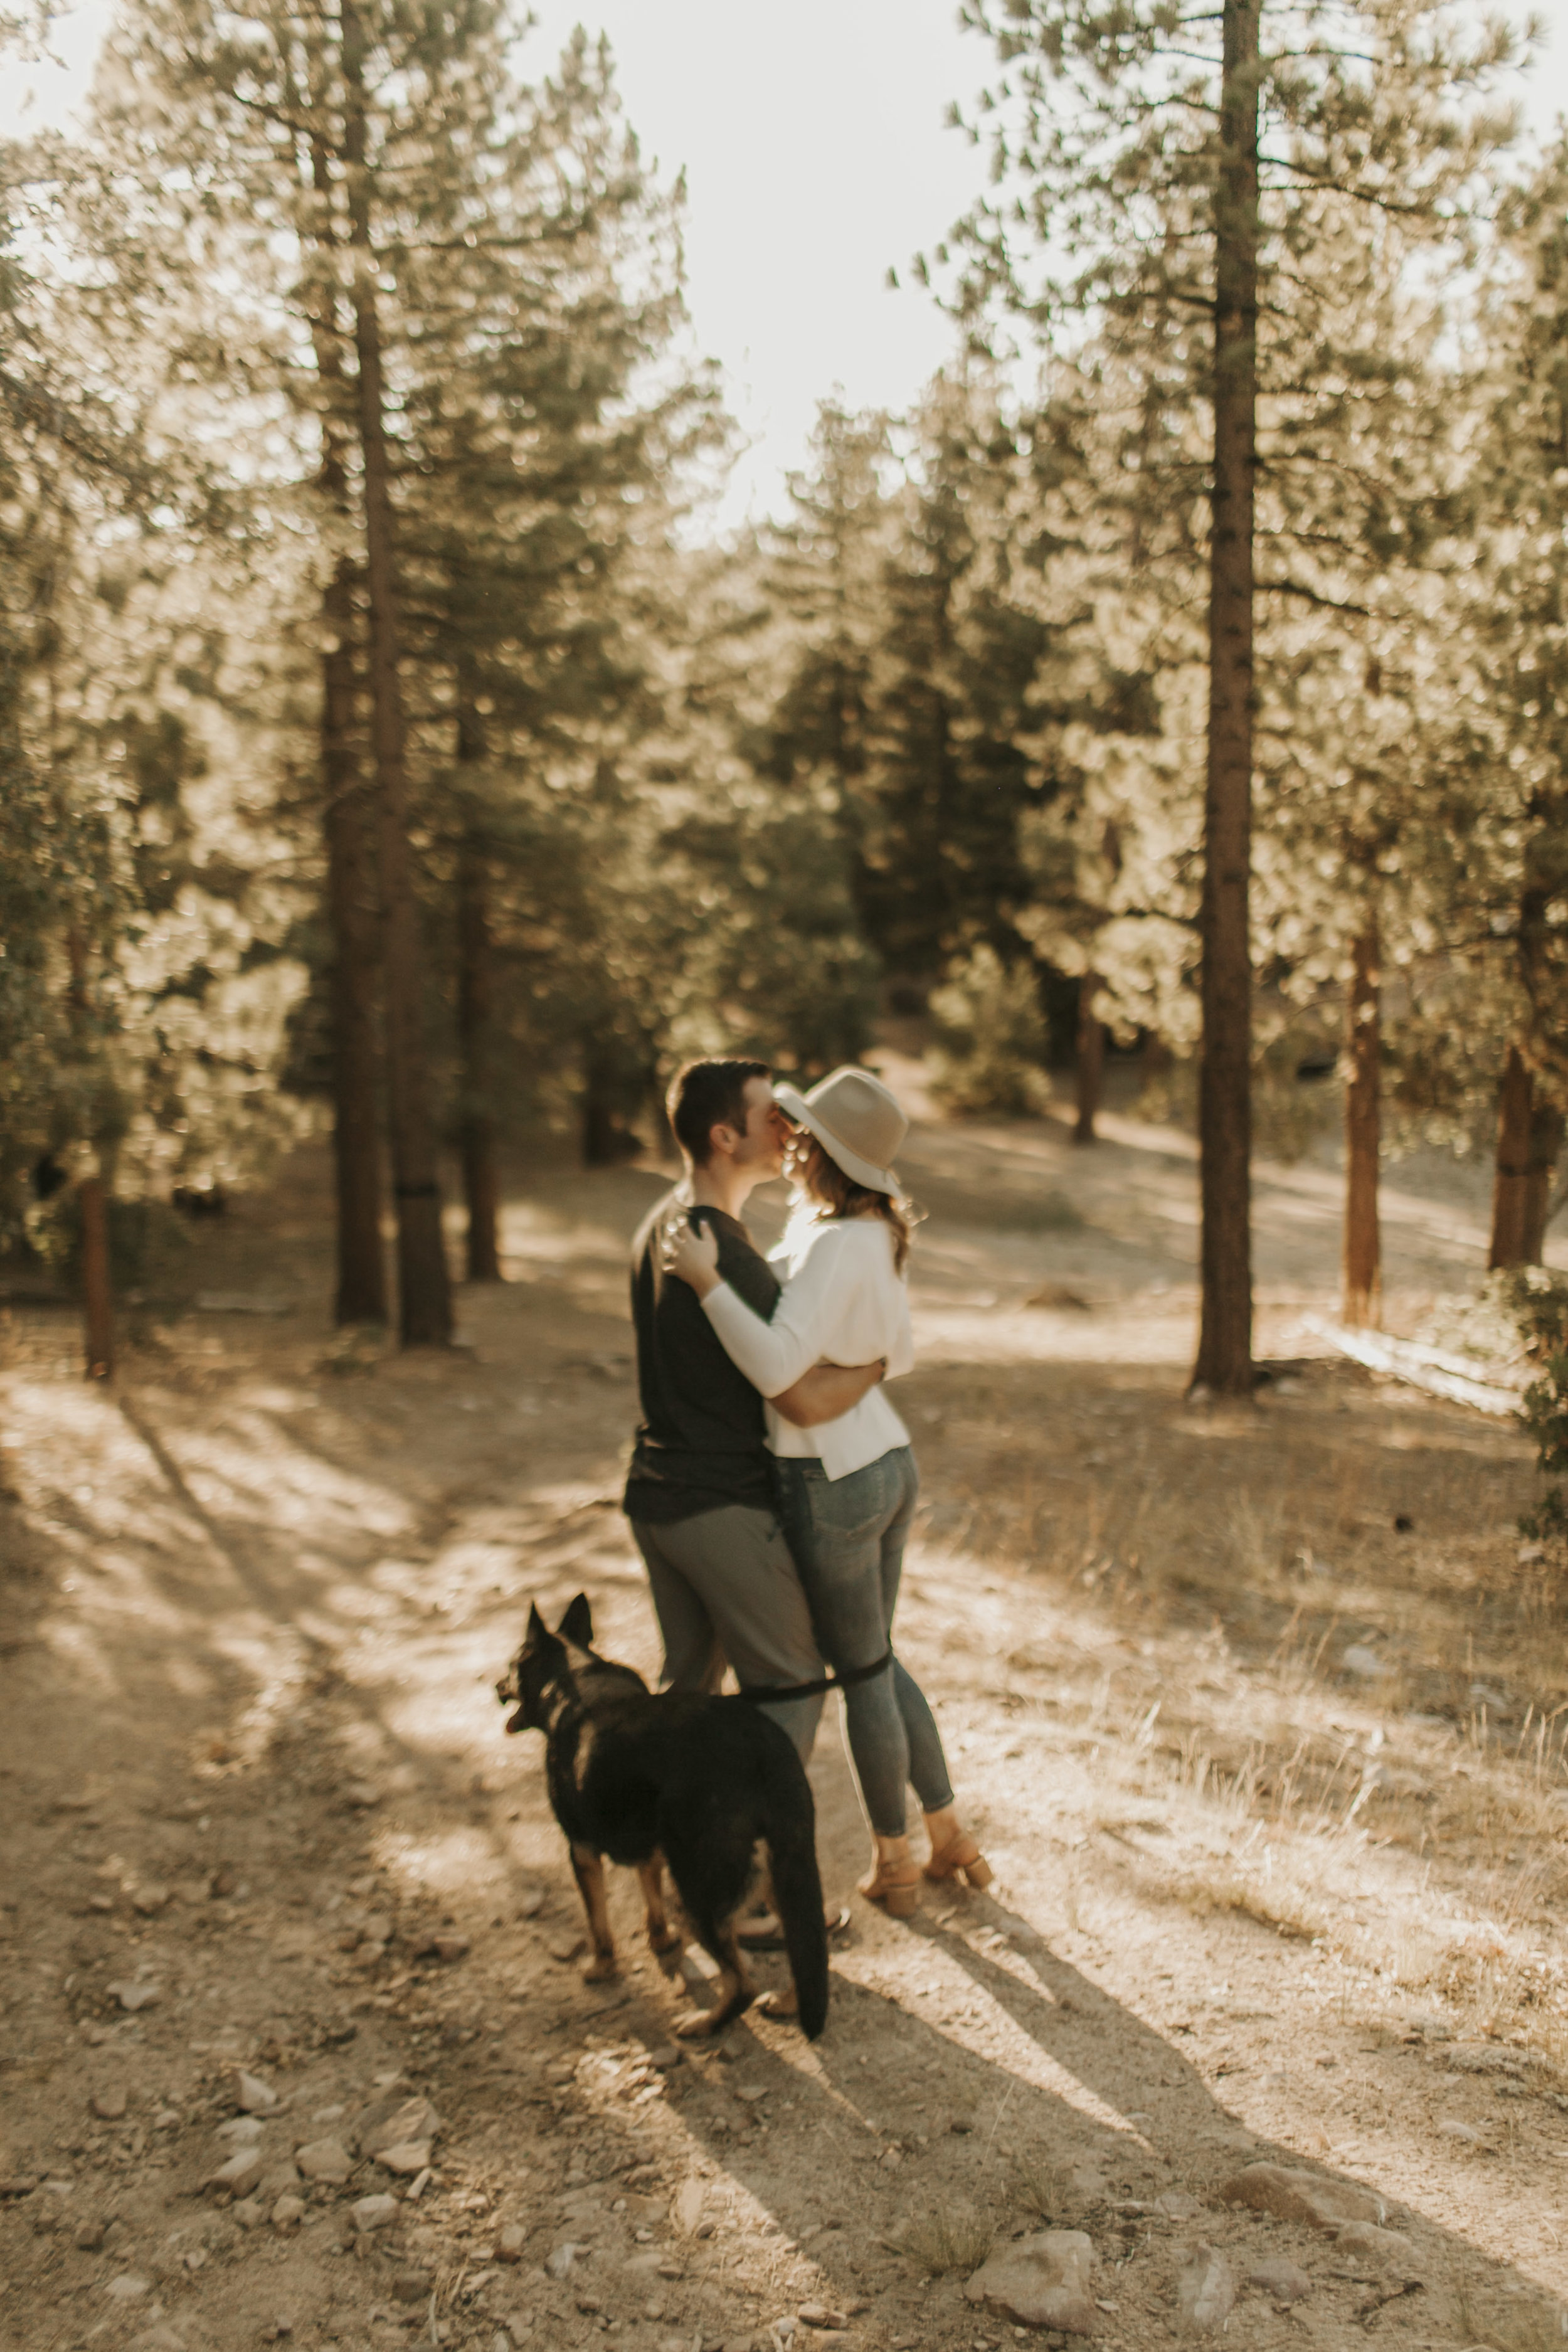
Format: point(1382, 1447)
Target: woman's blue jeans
point(847, 1535)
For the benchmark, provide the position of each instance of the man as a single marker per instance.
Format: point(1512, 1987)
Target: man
point(699, 1492)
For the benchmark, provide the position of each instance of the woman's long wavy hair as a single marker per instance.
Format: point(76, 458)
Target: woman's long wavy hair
point(836, 1195)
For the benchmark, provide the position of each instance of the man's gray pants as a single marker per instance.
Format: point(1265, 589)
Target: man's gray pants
point(725, 1590)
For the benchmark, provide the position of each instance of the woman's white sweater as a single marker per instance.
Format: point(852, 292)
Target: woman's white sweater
point(842, 1303)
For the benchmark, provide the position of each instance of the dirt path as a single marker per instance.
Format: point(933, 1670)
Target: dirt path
point(1274, 1783)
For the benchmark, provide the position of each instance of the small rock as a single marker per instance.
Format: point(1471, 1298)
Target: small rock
point(1451, 2128)
point(817, 2315)
point(590, 2303)
point(241, 2129)
point(406, 2157)
point(362, 1793)
point(510, 2239)
point(1389, 2249)
point(324, 2159)
point(251, 2094)
point(289, 2211)
point(127, 2287)
point(132, 1997)
point(110, 2102)
point(1043, 2281)
point(249, 2213)
point(560, 2259)
point(664, 2055)
point(90, 2236)
point(1286, 2281)
point(687, 2211)
point(159, 2339)
point(397, 2122)
point(531, 1903)
point(150, 1900)
point(1204, 2293)
point(568, 1946)
point(411, 2286)
point(373, 2212)
point(241, 2174)
point(1090, 2188)
point(1176, 2205)
point(1294, 2196)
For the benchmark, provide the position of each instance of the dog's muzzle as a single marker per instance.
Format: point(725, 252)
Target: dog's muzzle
point(509, 1695)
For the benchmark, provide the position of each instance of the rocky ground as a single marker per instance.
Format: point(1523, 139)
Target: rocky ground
point(1260, 2034)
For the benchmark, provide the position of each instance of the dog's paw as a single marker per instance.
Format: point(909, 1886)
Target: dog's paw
point(779, 2004)
point(600, 1971)
point(668, 1939)
point(696, 2024)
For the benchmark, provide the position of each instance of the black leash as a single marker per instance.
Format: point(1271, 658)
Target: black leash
point(761, 1693)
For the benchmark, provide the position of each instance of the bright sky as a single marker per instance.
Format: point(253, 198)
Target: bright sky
point(816, 154)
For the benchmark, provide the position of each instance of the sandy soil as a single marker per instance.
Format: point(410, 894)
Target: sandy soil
point(1259, 1713)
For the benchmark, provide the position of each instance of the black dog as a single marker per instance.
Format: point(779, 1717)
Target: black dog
point(709, 1785)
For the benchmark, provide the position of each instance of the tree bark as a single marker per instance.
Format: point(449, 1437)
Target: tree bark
point(97, 1291)
point(92, 1196)
point(1090, 1058)
point(348, 830)
point(354, 918)
point(1546, 1132)
point(1362, 1264)
point(476, 1023)
point(1516, 1104)
point(1224, 1089)
point(425, 1293)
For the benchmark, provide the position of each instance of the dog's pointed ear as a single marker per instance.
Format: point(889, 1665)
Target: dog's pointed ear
point(538, 1631)
point(577, 1625)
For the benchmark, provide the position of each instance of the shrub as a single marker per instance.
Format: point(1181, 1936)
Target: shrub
point(990, 1045)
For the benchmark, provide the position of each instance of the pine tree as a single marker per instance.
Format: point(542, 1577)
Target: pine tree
point(1186, 175)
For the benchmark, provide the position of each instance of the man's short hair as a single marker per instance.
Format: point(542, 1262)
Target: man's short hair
point(706, 1094)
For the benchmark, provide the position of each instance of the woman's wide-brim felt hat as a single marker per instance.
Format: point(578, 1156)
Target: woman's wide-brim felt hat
point(856, 1120)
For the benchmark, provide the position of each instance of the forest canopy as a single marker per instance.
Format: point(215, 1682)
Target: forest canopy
point(391, 746)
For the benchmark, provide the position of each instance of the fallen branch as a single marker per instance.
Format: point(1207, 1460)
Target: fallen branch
point(1420, 1367)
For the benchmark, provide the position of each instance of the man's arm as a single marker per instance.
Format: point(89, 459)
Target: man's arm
point(825, 1391)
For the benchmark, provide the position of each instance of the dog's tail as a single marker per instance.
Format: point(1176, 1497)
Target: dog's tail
point(797, 1897)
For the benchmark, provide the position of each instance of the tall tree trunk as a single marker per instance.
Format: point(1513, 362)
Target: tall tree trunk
point(1547, 1126)
point(1364, 1132)
point(1516, 1104)
point(354, 917)
point(424, 1292)
point(92, 1195)
point(1224, 1088)
point(476, 1018)
point(348, 828)
point(1090, 1058)
point(97, 1291)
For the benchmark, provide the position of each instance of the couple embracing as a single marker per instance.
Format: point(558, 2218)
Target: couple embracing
point(771, 1485)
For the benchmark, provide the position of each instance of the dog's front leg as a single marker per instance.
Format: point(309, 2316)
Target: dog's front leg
point(661, 1936)
point(588, 1868)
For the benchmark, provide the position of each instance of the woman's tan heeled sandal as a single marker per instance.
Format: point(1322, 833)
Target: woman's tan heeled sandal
point(896, 1886)
point(961, 1857)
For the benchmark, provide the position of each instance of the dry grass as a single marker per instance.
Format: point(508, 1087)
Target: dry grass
point(948, 2239)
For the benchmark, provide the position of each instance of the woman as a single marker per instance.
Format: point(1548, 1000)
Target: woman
point(847, 1488)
